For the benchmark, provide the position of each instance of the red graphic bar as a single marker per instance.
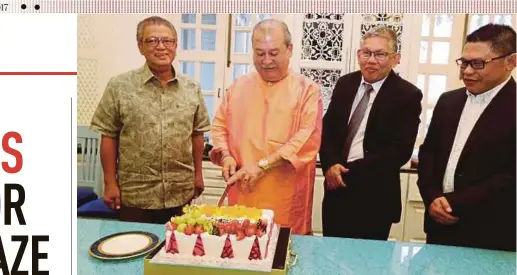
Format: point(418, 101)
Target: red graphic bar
point(38, 73)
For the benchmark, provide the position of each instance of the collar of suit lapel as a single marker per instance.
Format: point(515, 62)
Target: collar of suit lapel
point(495, 107)
point(354, 82)
point(453, 114)
point(383, 95)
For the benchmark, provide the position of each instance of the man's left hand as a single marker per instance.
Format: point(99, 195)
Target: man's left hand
point(246, 178)
point(199, 187)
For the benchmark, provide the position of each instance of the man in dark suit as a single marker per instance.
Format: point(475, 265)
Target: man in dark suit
point(467, 161)
point(369, 132)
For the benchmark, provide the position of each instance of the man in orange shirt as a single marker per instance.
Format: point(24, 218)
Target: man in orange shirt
point(267, 131)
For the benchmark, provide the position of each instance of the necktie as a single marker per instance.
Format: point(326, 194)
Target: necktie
point(356, 119)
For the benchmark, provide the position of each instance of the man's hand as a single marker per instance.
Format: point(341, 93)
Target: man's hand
point(440, 211)
point(247, 177)
point(199, 187)
point(229, 167)
point(333, 176)
point(112, 195)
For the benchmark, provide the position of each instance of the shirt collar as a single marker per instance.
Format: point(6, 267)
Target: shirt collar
point(271, 84)
point(147, 75)
point(488, 95)
point(376, 85)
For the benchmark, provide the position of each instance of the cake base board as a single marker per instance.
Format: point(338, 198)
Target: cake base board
point(154, 265)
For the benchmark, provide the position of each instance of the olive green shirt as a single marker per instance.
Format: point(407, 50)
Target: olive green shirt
point(154, 126)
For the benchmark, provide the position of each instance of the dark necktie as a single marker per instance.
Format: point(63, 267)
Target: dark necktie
point(356, 119)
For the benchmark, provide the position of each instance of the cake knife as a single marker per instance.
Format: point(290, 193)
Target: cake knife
point(223, 196)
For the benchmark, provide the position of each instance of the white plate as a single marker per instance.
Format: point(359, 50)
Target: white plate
point(124, 245)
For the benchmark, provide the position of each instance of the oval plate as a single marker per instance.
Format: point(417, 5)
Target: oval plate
point(124, 245)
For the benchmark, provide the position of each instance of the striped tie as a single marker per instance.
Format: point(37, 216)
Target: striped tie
point(356, 119)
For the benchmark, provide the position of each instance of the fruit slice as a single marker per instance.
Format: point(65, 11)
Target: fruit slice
point(173, 245)
point(240, 235)
point(198, 229)
point(245, 224)
point(199, 250)
point(227, 249)
point(251, 231)
point(255, 251)
point(189, 230)
point(173, 226)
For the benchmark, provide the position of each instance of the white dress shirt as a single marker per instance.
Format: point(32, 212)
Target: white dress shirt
point(474, 107)
point(356, 148)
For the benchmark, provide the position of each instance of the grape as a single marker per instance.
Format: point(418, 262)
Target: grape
point(181, 227)
point(179, 220)
point(191, 221)
point(195, 214)
point(215, 231)
point(186, 209)
point(201, 220)
point(207, 228)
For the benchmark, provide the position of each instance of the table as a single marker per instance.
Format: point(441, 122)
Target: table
point(321, 255)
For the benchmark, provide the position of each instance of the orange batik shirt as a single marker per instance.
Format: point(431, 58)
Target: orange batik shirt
point(255, 119)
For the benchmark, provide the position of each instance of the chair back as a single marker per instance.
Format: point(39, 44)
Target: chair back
point(89, 168)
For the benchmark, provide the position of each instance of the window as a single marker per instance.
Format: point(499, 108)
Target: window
point(202, 40)
point(478, 20)
point(436, 71)
point(215, 49)
point(206, 55)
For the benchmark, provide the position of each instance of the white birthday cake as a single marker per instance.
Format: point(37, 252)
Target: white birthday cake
point(235, 236)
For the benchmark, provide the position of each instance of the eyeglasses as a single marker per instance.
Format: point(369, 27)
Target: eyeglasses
point(476, 64)
point(154, 41)
point(381, 56)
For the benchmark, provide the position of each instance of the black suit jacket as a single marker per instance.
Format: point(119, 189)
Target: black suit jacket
point(484, 181)
point(373, 182)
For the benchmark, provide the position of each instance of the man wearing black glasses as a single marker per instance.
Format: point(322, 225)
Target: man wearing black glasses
point(467, 161)
point(369, 132)
point(152, 122)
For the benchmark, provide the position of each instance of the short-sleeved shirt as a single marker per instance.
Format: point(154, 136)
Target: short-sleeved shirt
point(154, 127)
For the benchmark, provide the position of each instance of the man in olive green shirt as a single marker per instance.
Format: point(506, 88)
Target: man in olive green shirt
point(152, 122)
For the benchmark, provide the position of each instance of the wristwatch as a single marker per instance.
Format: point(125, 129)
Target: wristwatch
point(264, 164)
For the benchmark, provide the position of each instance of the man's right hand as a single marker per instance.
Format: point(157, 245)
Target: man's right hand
point(112, 196)
point(229, 167)
point(440, 211)
point(334, 178)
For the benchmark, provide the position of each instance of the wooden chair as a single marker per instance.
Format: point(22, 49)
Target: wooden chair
point(89, 168)
point(90, 176)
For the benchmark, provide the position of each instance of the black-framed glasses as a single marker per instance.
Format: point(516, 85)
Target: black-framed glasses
point(477, 64)
point(381, 56)
point(154, 41)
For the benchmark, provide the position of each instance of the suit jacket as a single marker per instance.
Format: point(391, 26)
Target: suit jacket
point(484, 181)
point(389, 140)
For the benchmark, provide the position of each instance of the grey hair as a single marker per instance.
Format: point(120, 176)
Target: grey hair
point(153, 20)
point(384, 32)
point(266, 24)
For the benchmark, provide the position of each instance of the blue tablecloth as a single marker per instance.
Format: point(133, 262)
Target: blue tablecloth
point(321, 255)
